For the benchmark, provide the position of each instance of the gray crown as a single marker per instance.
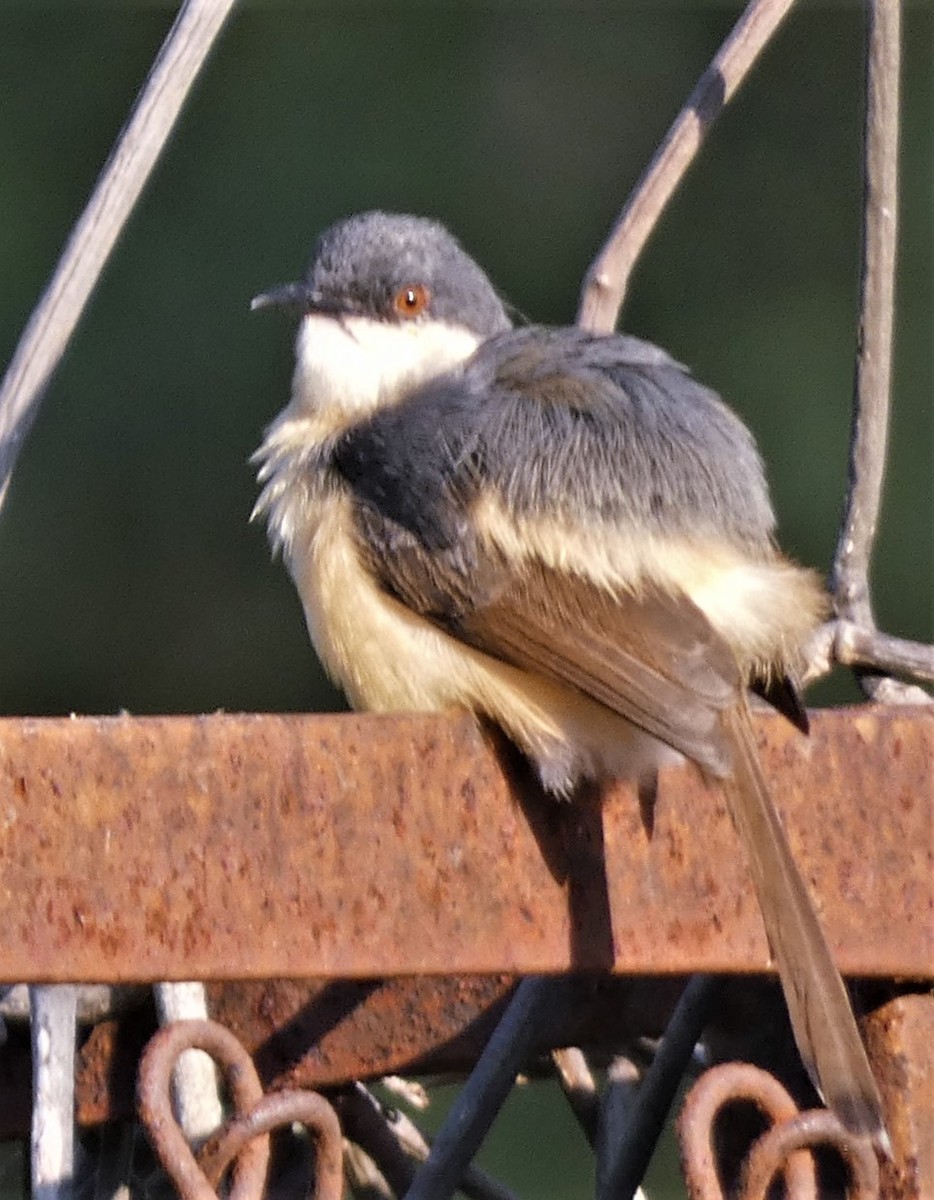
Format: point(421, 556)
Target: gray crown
point(358, 265)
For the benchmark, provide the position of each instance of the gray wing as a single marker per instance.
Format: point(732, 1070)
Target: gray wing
point(561, 422)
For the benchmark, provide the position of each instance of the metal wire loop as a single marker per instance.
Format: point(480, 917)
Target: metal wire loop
point(272, 1112)
point(155, 1107)
point(732, 1083)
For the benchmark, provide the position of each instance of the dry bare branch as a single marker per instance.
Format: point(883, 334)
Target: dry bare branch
point(92, 239)
point(856, 641)
point(886, 690)
point(855, 645)
point(605, 283)
point(475, 1184)
point(872, 393)
point(364, 1124)
point(364, 1178)
point(410, 1091)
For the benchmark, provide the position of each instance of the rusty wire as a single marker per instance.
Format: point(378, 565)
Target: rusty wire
point(155, 1107)
point(716, 1088)
point(818, 1127)
point(244, 1140)
point(272, 1112)
point(782, 1148)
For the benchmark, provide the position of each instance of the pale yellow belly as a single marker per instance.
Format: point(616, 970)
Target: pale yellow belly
point(388, 659)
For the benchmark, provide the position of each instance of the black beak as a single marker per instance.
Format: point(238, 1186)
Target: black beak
point(298, 297)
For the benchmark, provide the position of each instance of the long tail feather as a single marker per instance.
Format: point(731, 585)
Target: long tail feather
point(821, 1017)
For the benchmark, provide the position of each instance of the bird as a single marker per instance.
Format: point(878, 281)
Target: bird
point(562, 532)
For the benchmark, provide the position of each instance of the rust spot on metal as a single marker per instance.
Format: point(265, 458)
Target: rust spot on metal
point(274, 1112)
point(105, 1071)
point(900, 1038)
point(351, 847)
point(244, 1140)
point(305, 1034)
point(311, 1035)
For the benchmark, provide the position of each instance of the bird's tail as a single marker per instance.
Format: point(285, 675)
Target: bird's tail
point(818, 1005)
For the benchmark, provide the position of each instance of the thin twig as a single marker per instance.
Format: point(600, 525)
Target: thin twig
point(855, 640)
point(485, 1091)
point(629, 1157)
point(364, 1178)
point(872, 391)
point(131, 161)
point(886, 690)
point(410, 1091)
point(580, 1089)
point(396, 1145)
point(605, 282)
point(53, 1009)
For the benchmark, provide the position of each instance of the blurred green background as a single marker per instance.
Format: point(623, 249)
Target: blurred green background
point(130, 576)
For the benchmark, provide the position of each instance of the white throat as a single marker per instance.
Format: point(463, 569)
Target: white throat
point(348, 366)
point(345, 369)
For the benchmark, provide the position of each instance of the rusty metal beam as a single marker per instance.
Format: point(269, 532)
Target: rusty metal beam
point(324, 1034)
point(901, 1048)
point(344, 847)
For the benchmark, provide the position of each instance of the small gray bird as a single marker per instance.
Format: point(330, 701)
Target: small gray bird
point(564, 532)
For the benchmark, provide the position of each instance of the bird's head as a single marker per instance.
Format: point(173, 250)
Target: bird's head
point(388, 302)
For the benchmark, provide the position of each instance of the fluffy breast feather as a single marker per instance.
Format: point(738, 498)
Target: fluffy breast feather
point(389, 659)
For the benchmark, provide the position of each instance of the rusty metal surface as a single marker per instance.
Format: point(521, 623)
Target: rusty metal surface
point(900, 1038)
point(286, 846)
point(277, 1111)
point(785, 1148)
point(807, 1131)
point(307, 1034)
point(304, 1034)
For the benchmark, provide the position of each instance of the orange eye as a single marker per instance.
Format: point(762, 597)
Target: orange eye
point(411, 300)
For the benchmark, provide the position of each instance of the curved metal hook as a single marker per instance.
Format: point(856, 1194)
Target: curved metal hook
point(273, 1111)
point(155, 1107)
point(817, 1127)
point(716, 1088)
point(781, 1148)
